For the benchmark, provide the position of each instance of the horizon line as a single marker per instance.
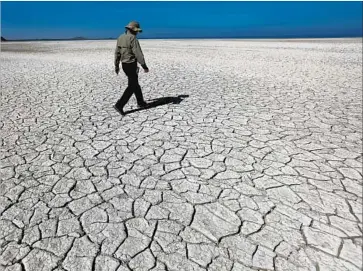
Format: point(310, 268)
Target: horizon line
point(201, 37)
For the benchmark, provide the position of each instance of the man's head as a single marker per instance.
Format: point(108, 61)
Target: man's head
point(134, 27)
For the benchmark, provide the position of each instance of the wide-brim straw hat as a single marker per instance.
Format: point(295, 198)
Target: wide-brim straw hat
point(134, 26)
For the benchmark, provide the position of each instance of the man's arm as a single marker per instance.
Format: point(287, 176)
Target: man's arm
point(117, 56)
point(117, 59)
point(136, 49)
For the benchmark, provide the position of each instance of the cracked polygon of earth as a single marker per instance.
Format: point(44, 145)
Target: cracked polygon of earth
point(312, 197)
point(352, 253)
point(58, 246)
point(116, 172)
point(174, 175)
point(348, 227)
point(63, 186)
point(328, 186)
point(250, 215)
point(228, 194)
point(181, 186)
point(357, 209)
point(38, 260)
point(98, 171)
point(350, 173)
point(284, 194)
point(178, 261)
point(84, 187)
point(192, 236)
point(171, 156)
point(153, 196)
point(149, 182)
point(81, 205)
point(122, 203)
point(156, 212)
point(248, 190)
point(48, 228)
point(237, 165)
point(240, 249)
point(101, 145)
point(191, 171)
point(293, 214)
point(227, 175)
point(209, 189)
point(266, 182)
point(110, 237)
point(328, 262)
point(142, 261)
point(215, 221)
point(328, 228)
point(263, 258)
point(15, 267)
point(111, 192)
point(133, 244)
point(12, 253)
point(221, 264)
point(141, 207)
point(168, 226)
point(79, 174)
point(239, 267)
point(94, 215)
point(324, 241)
point(353, 186)
point(7, 173)
point(284, 249)
point(198, 198)
point(344, 154)
point(71, 227)
point(179, 211)
point(106, 263)
point(268, 237)
point(246, 201)
point(281, 264)
point(308, 173)
point(4, 203)
point(31, 235)
point(334, 203)
point(201, 163)
point(290, 235)
point(169, 243)
point(278, 220)
point(77, 263)
point(133, 192)
point(202, 253)
point(172, 166)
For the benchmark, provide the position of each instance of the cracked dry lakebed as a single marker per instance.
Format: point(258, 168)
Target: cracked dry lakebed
point(250, 157)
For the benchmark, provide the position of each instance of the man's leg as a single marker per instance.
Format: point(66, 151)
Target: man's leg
point(138, 93)
point(127, 68)
point(125, 97)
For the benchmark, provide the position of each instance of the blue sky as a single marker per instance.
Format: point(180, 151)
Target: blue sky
point(30, 20)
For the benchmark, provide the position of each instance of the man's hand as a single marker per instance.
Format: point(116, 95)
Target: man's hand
point(117, 69)
point(146, 70)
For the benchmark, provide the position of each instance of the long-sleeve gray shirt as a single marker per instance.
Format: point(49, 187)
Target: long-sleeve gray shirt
point(128, 50)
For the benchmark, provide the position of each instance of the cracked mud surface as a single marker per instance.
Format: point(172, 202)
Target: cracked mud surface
point(260, 168)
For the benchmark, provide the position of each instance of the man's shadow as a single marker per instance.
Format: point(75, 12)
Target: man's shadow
point(160, 101)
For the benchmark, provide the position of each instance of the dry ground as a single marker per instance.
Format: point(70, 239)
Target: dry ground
point(253, 162)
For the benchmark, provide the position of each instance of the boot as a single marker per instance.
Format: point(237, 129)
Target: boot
point(119, 109)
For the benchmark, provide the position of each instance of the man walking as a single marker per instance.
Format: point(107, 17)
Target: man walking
point(129, 52)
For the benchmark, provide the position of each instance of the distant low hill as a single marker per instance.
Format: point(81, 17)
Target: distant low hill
point(3, 39)
point(64, 39)
point(78, 38)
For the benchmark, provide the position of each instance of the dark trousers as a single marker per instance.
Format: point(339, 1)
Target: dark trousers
point(133, 85)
